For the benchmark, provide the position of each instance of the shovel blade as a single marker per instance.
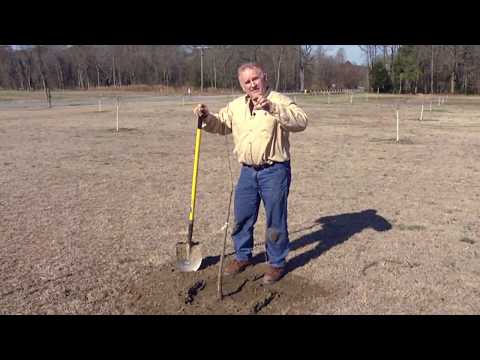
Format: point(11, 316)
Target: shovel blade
point(188, 261)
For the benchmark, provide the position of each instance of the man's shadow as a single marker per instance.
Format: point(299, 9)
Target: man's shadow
point(335, 230)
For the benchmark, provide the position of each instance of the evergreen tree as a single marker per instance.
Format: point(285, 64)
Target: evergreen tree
point(379, 77)
point(406, 69)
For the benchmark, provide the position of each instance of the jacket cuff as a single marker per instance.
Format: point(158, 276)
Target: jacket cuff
point(274, 109)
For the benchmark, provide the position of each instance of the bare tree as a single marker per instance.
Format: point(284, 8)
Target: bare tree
point(367, 50)
point(291, 67)
point(431, 71)
point(42, 70)
point(304, 58)
point(278, 67)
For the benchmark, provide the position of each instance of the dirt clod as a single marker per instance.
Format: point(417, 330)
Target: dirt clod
point(259, 305)
point(194, 290)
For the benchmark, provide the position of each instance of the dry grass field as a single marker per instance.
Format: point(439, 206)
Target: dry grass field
point(89, 217)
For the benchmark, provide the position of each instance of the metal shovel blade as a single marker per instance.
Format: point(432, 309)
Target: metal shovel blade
point(188, 260)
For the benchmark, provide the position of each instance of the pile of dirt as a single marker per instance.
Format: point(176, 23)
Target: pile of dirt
point(165, 290)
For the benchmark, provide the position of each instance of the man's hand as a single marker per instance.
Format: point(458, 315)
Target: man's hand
point(262, 103)
point(201, 111)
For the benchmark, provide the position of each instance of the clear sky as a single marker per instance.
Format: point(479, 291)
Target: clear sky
point(353, 52)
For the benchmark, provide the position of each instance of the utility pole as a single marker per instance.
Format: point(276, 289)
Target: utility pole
point(201, 48)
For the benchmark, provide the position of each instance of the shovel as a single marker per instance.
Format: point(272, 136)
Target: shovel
point(189, 254)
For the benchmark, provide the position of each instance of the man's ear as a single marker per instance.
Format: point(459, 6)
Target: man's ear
point(265, 77)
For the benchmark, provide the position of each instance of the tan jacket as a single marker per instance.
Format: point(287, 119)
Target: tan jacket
point(260, 137)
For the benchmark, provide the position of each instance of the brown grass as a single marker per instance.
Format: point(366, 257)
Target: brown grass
point(89, 218)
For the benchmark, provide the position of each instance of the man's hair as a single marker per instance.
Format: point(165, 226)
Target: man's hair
point(250, 65)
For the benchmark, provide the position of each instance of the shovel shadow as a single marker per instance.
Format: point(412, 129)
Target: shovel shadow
point(336, 229)
point(209, 261)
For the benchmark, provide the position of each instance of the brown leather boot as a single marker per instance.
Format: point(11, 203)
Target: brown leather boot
point(273, 274)
point(236, 267)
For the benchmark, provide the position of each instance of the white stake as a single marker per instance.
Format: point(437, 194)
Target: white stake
point(438, 101)
point(398, 120)
point(421, 114)
point(117, 112)
point(351, 98)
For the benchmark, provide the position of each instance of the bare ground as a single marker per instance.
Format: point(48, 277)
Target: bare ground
point(89, 218)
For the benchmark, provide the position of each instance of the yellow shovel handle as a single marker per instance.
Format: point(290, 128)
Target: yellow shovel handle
point(191, 216)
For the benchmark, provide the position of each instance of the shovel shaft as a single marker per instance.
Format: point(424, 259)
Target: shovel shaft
point(191, 215)
point(190, 232)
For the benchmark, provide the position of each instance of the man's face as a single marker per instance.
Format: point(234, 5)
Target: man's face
point(253, 82)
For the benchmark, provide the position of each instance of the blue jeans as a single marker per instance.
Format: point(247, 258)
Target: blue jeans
point(270, 185)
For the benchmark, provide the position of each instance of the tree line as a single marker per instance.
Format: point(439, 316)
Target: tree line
point(388, 68)
point(59, 67)
point(453, 69)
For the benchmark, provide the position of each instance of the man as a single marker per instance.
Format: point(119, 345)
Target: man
point(260, 122)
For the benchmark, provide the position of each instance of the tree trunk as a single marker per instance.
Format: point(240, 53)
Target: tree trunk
point(29, 78)
point(369, 65)
point(62, 79)
point(302, 79)
point(277, 74)
point(98, 76)
point(201, 70)
point(41, 69)
point(416, 82)
point(431, 74)
point(277, 82)
point(368, 78)
point(47, 91)
point(452, 83)
point(113, 72)
point(214, 73)
point(454, 69)
point(285, 78)
point(392, 59)
point(132, 77)
point(59, 81)
point(301, 68)
point(391, 68)
point(119, 76)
